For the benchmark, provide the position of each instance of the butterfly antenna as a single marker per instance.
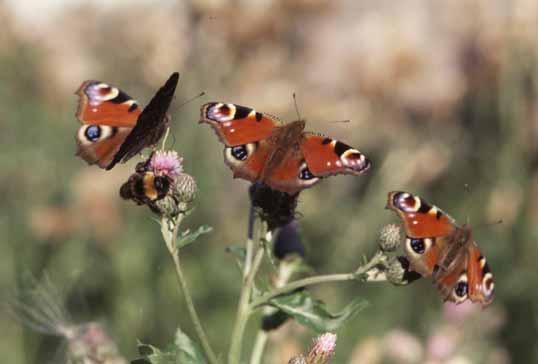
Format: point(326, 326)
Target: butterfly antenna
point(467, 190)
point(191, 99)
point(340, 121)
point(165, 137)
point(488, 224)
point(296, 107)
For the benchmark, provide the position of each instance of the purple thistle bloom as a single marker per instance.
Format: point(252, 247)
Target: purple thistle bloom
point(322, 349)
point(167, 163)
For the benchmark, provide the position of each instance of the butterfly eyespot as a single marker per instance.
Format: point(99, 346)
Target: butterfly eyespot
point(418, 245)
point(407, 202)
point(221, 112)
point(305, 174)
point(93, 133)
point(240, 152)
point(99, 92)
point(461, 289)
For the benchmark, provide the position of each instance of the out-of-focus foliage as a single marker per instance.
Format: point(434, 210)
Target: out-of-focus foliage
point(441, 94)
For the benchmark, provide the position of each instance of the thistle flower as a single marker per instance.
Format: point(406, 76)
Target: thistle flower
point(40, 309)
point(159, 183)
point(322, 349)
point(166, 163)
point(274, 207)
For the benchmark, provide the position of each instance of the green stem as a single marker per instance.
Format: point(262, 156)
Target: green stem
point(259, 346)
point(170, 240)
point(243, 310)
point(316, 280)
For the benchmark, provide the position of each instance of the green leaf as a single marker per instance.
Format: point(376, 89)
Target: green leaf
point(313, 313)
point(188, 351)
point(154, 355)
point(183, 351)
point(187, 237)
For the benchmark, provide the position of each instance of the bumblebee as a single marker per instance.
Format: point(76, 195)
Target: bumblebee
point(144, 187)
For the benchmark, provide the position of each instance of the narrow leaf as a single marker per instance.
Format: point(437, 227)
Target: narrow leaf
point(187, 237)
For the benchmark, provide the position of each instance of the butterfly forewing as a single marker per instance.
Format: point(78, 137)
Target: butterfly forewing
point(103, 104)
point(236, 124)
point(325, 156)
point(151, 124)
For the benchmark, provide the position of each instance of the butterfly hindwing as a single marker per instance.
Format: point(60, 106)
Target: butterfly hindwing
point(236, 124)
point(480, 278)
point(98, 144)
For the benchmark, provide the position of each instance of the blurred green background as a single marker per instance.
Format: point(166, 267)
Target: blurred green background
point(441, 95)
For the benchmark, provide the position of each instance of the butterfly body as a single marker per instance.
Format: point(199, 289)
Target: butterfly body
point(260, 148)
point(114, 127)
point(436, 246)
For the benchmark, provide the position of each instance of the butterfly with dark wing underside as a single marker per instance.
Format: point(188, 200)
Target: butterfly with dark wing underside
point(436, 246)
point(259, 148)
point(114, 128)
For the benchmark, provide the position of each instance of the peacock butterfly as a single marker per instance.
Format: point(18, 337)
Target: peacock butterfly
point(114, 128)
point(437, 247)
point(259, 148)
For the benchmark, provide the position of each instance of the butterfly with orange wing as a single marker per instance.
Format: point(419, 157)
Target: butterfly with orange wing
point(259, 148)
point(114, 128)
point(437, 247)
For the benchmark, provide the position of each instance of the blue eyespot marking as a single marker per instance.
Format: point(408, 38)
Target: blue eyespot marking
point(93, 132)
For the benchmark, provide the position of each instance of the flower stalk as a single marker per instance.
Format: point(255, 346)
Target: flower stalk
point(378, 258)
point(250, 268)
point(170, 229)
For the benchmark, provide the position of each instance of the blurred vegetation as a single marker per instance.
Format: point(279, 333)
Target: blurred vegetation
point(442, 95)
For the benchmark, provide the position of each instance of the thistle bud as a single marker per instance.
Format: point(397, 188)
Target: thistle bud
point(288, 242)
point(398, 271)
point(182, 192)
point(299, 359)
point(184, 189)
point(389, 238)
